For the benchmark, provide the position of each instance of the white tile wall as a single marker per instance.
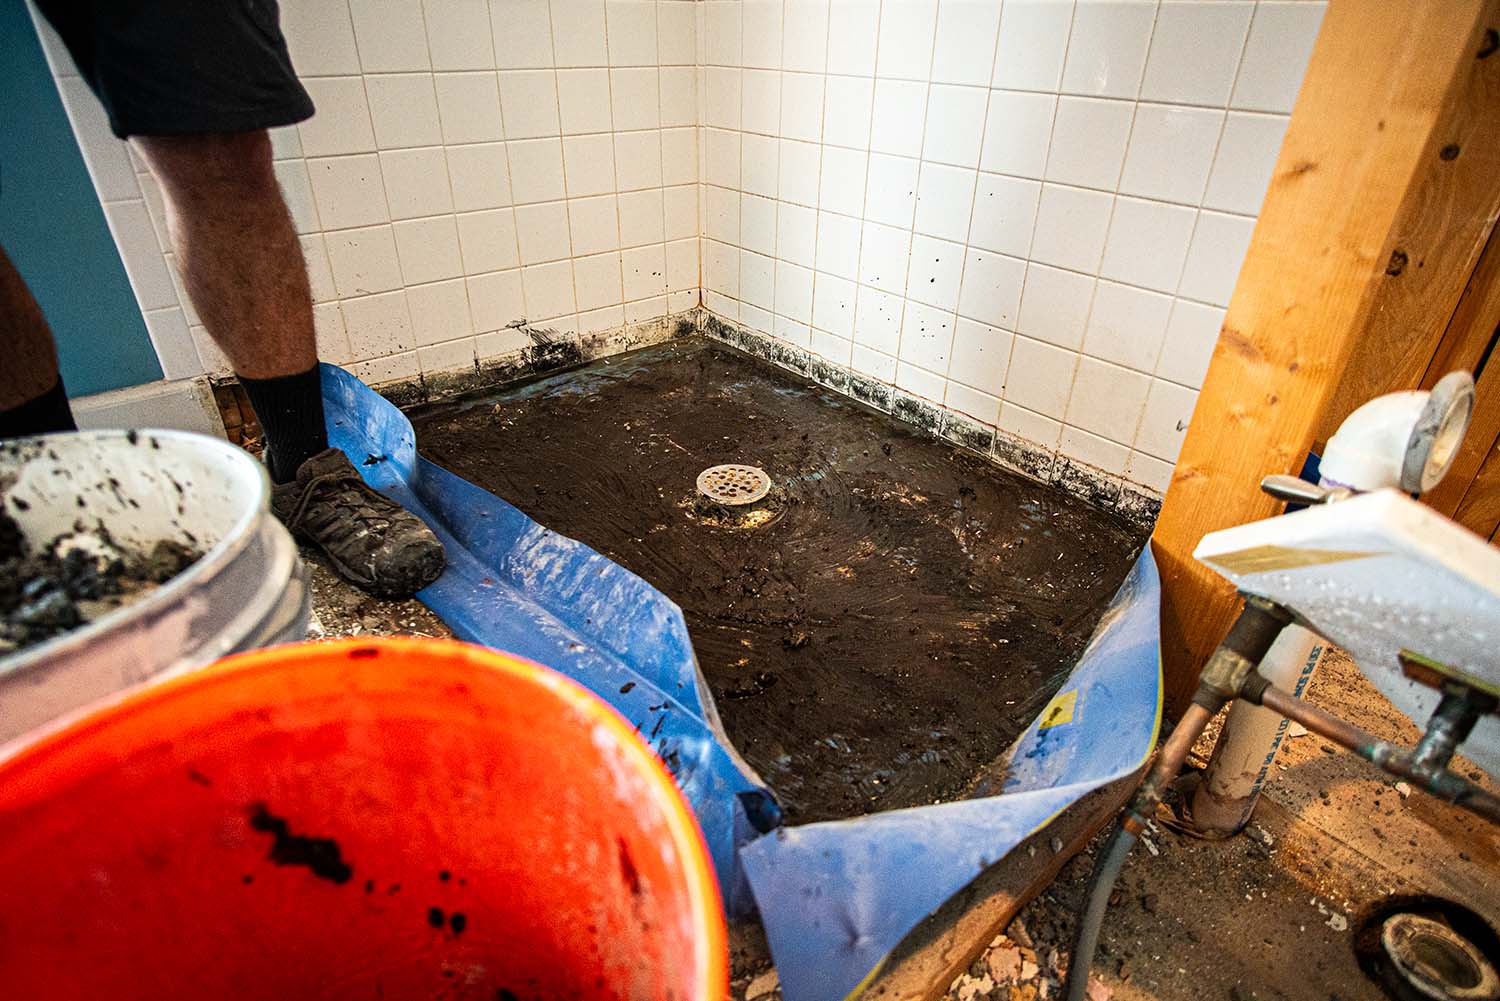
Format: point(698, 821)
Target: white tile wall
point(1031, 212)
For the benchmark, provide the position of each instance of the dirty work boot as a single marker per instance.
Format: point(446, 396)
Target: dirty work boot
point(371, 540)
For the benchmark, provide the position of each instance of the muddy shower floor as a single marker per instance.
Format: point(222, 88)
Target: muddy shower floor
point(876, 630)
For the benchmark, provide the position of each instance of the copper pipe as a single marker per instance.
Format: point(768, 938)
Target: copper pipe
point(1391, 757)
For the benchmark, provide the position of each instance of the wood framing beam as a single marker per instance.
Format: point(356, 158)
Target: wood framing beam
point(1366, 189)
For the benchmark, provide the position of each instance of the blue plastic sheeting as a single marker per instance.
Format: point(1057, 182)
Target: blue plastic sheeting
point(516, 586)
point(835, 898)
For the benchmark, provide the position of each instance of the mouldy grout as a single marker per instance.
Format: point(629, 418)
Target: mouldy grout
point(550, 352)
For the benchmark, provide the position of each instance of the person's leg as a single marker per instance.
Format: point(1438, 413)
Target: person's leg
point(239, 257)
point(32, 399)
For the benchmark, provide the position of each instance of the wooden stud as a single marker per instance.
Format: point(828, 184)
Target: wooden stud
point(1389, 86)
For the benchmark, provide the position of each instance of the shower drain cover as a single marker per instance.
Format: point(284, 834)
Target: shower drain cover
point(734, 484)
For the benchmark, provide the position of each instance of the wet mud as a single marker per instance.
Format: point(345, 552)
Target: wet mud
point(48, 590)
point(878, 629)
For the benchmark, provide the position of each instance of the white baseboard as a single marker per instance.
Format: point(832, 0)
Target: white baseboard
point(184, 404)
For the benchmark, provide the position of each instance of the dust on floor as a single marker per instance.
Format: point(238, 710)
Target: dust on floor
point(1272, 913)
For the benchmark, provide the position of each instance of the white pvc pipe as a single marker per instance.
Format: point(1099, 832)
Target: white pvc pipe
point(1247, 745)
point(1367, 451)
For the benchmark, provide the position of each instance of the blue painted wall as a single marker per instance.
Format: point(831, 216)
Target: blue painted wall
point(53, 228)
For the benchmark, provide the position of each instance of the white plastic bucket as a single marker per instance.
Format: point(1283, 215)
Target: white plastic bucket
point(248, 589)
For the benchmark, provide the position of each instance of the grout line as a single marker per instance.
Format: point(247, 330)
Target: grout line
point(963, 264)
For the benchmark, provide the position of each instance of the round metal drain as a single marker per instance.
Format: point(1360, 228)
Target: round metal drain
point(734, 484)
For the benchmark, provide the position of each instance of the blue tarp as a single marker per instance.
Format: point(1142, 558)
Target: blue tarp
point(835, 898)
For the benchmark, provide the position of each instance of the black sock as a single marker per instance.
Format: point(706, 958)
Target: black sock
point(42, 415)
point(290, 409)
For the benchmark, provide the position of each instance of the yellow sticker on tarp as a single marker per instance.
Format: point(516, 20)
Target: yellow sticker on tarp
point(1263, 559)
point(1060, 710)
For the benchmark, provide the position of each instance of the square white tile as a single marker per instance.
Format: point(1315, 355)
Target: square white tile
point(390, 35)
point(1192, 332)
point(1164, 422)
point(804, 45)
point(679, 96)
point(549, 291)
point(1033, 41)
point(522, 34)
point(363, 261)
point(631, 29)
point(722, 28)
point(378, 324)
point(1004, 214)
point(638, 160)
point(1107, 400)
point(991, 290)
point(680, 207)
point(428, 249)
point(682, 266)
point(762, 33)
point(852, 37)
point(884, 254)
point(841, 187)
point(878, 320)
point(796, 233)
point(896, 125)
point(802, 106)
point(1092, 450)
point(469, 106)
point(403, 107)
point(594, 224)
point(838, 245)
point(919, 382)
point(721, 214)
point(458, 35)
point(762, 102)
point(680, 156)
point(1040, 378)
point(1017, 133)
point(1245, 161)
point(342, 122)
point(1055, 306)
point(1071, 226)
point(636, 98)
point(543, 232)
point(955, 124)
point(530, 100)
point(578, 33)
point(794, 288)
point(439, 313)
point(319, 38)
point(797, 179)
point(1032, 428)
point(676, 34)
point(722, 158)
point(1195, 49)
point(891, 190)
point(1171, 152)
point(945, 198)
point(982, 407)
point(487, 240)
point(1276, 55)
point(758, 224)
point(583, 101)
point(964, 51)
point(833, 304)
point(598, 282)
point(480, 176)
point(1214, 257)
point(1107, 47)
point(758, 281)
point(875, 364)
point(416, 182)
point(1148, 242)
point(347, 190)
point(722, 96)
point(641, 217)
point(1127, 325)
point(589, 165)
point(847, 106)
point(933, 277)
point(536, 170)
point(981, 356)
point(645, 272)
point(1089, 137)
point(906, 36)
point(760, 159)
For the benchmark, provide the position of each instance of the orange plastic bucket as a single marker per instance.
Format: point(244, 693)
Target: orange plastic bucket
point(368, 819)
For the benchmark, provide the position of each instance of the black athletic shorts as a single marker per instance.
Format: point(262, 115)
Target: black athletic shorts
point(183, 67)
